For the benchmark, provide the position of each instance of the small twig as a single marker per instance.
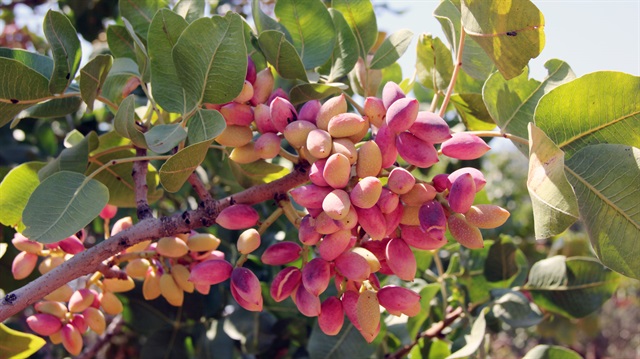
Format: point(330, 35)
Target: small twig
point(454, 76)
point(289, 156)
point(114, 328)
point(139, 174)
point(108, 102)
point(443, 284)
point(110, 272)
point(203, 193)
point(434, 331)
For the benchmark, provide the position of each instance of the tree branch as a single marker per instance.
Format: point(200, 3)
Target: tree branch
point(434, 331)
point(114, 329)
point(139, 174)
point(88, 261)
point(205, 197)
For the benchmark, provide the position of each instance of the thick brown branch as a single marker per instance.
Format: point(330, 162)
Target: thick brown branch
point(90, 260)
point(434, 331)
point(139, 174)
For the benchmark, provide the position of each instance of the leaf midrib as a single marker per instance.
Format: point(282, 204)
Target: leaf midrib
point(340, 340)
point(213, 57)
point(540, 85)
point(602, 197)
point(596, 129)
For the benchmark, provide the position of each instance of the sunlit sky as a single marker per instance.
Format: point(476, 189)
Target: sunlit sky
point(589, 35)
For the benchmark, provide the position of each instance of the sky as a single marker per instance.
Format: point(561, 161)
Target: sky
point(589, 35)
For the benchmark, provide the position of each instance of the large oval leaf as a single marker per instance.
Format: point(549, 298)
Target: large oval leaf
point(391, 49)
point(606, 179)
point(140, 13)
point(310, 27)
point(40, 63)
point(211, 60)
point(343, 58)
point(574, 287)
point(162, 138)
point(125, 123)
point(601, 107)
point(73, 159)
point(362, 20)
point(264, 22)
point(473, 340)
point(282, 55)
point(205, 125)
point(515, 309)
point(16, 187)
point(475, 61)
point(512, 103)
point(510, 32)
point(66, 50)
point(175, 172)
point(62, 205)
point(555, 206)
point(164, 31)
point(120, 42)
point(19, 83)
point(18, 345)
point(92, 77)
point(190, 10)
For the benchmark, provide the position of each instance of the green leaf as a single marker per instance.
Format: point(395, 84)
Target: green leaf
point(66, 50)
point(512, 103)
point(475, 62)
point(190, 10)
point(61, 205)
point(258, 172)
point(574, 287)
point(310, 27)
point(555, 206)
point(40, 63)
point(16, 187)
point(414, 324)
point(348, 343)
point(92, 77)
point(282, 55)
point(474, 339)
point(434, 65)
point(164, 31)
point(589, 110)
point(343, 58)
point(511, 33)
point(140, 51)
point(515, 309)
point(177, 169)
point(362, 21)
point(314, 91)
point(606, 179)
point(391, 49)
point(140, 13)
point(120, 42)
point(56, 107)
point(18, 345)
point(205, 125)
point(551, 352)
point(211, 60)
point(125, 122)
point(74, 159)
point(264, 22)
point(19, 83)
point(123, 72)
point(162, 138)
point(119, 180)
point(473, 111)
point(501, 263)
point(391, 73)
